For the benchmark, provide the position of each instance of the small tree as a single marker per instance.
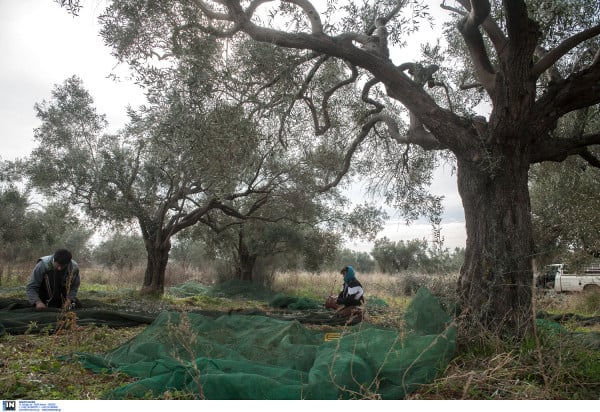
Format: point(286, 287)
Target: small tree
point(394, 257)
point(29, 230)
point(120, 251)
point(361, 261)
point(13, 209)
point(297, 227)
point(159, 172)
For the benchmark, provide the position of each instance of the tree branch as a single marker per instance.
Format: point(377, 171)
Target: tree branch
point(491, 28)
point(596, 60)
point(418, 136)
point(467, 86)
point(469, 29)
point(209, 12)
point(306, 6)
point(579, 90)
point(590, 158)
point(347, 158)
point(398, 85)
point(517, 20)
point(557, 150)
point(299, 95)
point(563, 48)
point(399, 5)
point(552, 73)
point(367, 99)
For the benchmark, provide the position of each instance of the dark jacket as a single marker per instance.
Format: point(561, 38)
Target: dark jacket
point(352, 293)
point(50, 285)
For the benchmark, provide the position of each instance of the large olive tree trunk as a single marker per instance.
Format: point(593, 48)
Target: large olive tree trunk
point(495, 285)
point(158, 257)
point(245, 259)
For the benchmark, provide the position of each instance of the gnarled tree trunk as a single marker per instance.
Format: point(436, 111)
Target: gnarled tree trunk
point(495, 285)
point(245, 260)
point(158, 257)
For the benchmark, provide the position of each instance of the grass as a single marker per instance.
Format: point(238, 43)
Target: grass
point(31, 368)
point(553, 366)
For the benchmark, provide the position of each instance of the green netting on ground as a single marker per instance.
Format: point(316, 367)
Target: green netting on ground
point(241, 289)
point(375, 302)
point(187, 289)
point(259, 357)
point(294, 303)
point(230, 289)
point(588, 339)
point(17, 316)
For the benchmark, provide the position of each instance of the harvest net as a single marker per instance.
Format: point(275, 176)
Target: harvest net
point(261, 357)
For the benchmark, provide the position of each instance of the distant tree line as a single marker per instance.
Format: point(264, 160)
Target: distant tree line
point(29, 230)
point(564, 211)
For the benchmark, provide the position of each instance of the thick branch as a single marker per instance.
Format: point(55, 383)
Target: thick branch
point(552, 73)
point(193, 217)
point(590, 158)
point(306, 6)
point(557, 150)
point(578, 91)
point(563, 48)
point(215, 15)
point(467, 86)
point(491, 28)
point(444, 124)
point(517, 20)
point(596, 60)
point(419, 137)
point(469, 28)
point(209, 12)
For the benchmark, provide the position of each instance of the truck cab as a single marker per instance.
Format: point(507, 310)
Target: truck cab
point(556, 276)
point(547, 278)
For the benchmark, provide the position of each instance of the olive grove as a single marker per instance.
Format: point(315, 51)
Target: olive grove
point(340, 67)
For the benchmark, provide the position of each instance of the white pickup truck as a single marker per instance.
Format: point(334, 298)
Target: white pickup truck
point(556, 277)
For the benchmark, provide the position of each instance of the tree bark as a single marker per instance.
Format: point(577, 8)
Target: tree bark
point(246, 260)
point(154, 277)
point(495, 284)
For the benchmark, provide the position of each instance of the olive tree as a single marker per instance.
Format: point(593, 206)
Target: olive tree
point(291, 230)
point(565, 200)
point(171, 165)
point(403, 113)
point(33, 227)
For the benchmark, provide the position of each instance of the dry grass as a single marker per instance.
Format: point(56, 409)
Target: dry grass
point(384, 286)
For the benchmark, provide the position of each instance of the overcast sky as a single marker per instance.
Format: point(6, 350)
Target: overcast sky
point(42, 45)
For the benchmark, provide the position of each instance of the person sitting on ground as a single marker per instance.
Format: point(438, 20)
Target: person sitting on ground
point(54, 282)
point(350, 300)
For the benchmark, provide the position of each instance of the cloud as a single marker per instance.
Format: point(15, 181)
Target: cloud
point(453, 234)
point(42, 45)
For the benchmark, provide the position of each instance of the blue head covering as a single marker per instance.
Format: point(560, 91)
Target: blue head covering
point(349, 274)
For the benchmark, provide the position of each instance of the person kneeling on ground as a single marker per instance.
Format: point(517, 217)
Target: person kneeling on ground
point(54, 282)
point(349, 303)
